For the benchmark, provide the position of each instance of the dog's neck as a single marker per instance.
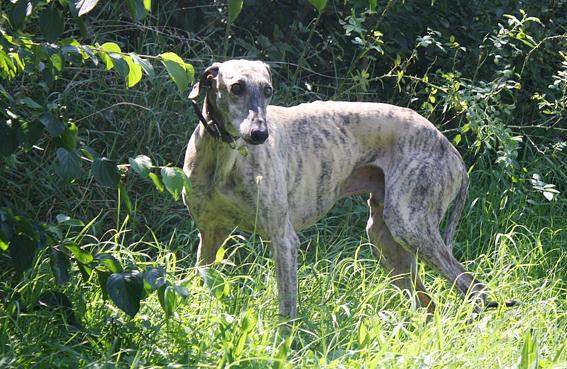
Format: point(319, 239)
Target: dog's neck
point(213, 158)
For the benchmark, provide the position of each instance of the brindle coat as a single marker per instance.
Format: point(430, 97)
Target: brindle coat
point(315, 154)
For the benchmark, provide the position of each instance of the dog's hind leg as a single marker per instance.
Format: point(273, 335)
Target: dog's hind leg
point(400, 263)
point(413, 213)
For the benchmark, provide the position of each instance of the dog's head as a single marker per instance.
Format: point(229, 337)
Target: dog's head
point(238, 92)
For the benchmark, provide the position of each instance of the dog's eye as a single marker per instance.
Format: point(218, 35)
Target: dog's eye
point(268, 91)
point(236, 88)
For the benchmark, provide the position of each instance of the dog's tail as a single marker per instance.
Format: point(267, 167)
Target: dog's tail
point(457, 211)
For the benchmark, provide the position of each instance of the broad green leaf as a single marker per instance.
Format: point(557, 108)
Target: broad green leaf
point(126, 290)
point(157, 182)
point(68, 221)
point(108, 262)
point(190, 72)
point(90, 53)
point(120, 64)
point(177, 70)
point(141, 164)
point(215, 281)
point(102, 277)
point(53, 124)
point(79, 254)
point(51, 23)
point(146, 65)
point(8, 139)
point(29, 133)
point(69, 164)
point(111, 47)
point(234, 8)
point(30, 103)
point(175, 181)
point(181, 291)
point(22, 251)
point(60, 266)
point(319, 4)
point(138, 9)
point(154, 278)
point(81, 7)
point(105, 49)
point(134, 71)
point(69, 138)
point(105, 172)
point(56, 61)
point(167, 299)
point(20, 11)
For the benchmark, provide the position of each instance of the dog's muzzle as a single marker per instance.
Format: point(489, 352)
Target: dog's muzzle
point(258, 136)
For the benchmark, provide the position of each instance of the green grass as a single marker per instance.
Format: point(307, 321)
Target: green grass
point(350, 315)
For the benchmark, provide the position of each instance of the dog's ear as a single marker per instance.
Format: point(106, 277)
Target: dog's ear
point(269, 71)
point(205, 81)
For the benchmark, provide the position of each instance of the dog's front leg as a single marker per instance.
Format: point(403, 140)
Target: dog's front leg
point(209, 242)
point(285, 248)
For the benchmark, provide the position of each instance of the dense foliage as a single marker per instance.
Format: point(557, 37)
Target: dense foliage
point(94, 120)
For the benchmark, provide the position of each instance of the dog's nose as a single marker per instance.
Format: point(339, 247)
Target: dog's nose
point(258, 136)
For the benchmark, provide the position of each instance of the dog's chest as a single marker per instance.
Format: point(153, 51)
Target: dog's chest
point(228, 204)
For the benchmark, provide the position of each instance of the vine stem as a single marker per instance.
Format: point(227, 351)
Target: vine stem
point(301, 59)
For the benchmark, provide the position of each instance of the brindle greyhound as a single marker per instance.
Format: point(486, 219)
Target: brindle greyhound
point(301, 160)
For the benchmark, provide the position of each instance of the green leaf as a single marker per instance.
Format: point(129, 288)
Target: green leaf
point(167, 299)
point(68, 221)
point(138, 8)
point(60, 266)
point(234, 8)
point(319, 4)
point(69, 138)
point(28, 133)
point(126, 290)
point(215, 281)
point(134, 72)
point(22, 251)
point(108, 262)
point(181, 291)
point(372, 4)
point(105, 49)
point(175, 181)
point(30, 103)
point(69, 164)
point(124, 198)
point(8, 139)
point(81, 7)
point(530, 352)
point(54, 125)
point(105, 172)
point(146, 65)
point(20, 11)
point(51, 23)
point(157, 182)
point(120, 64)
point(154, 278)
point(79, 254)
point(177, 69)
point(102, 279)
point(141, 164)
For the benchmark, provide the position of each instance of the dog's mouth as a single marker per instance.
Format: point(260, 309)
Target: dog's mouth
point(253, 141)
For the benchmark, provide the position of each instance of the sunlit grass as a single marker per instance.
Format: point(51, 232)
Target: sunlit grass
point(350, 315)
